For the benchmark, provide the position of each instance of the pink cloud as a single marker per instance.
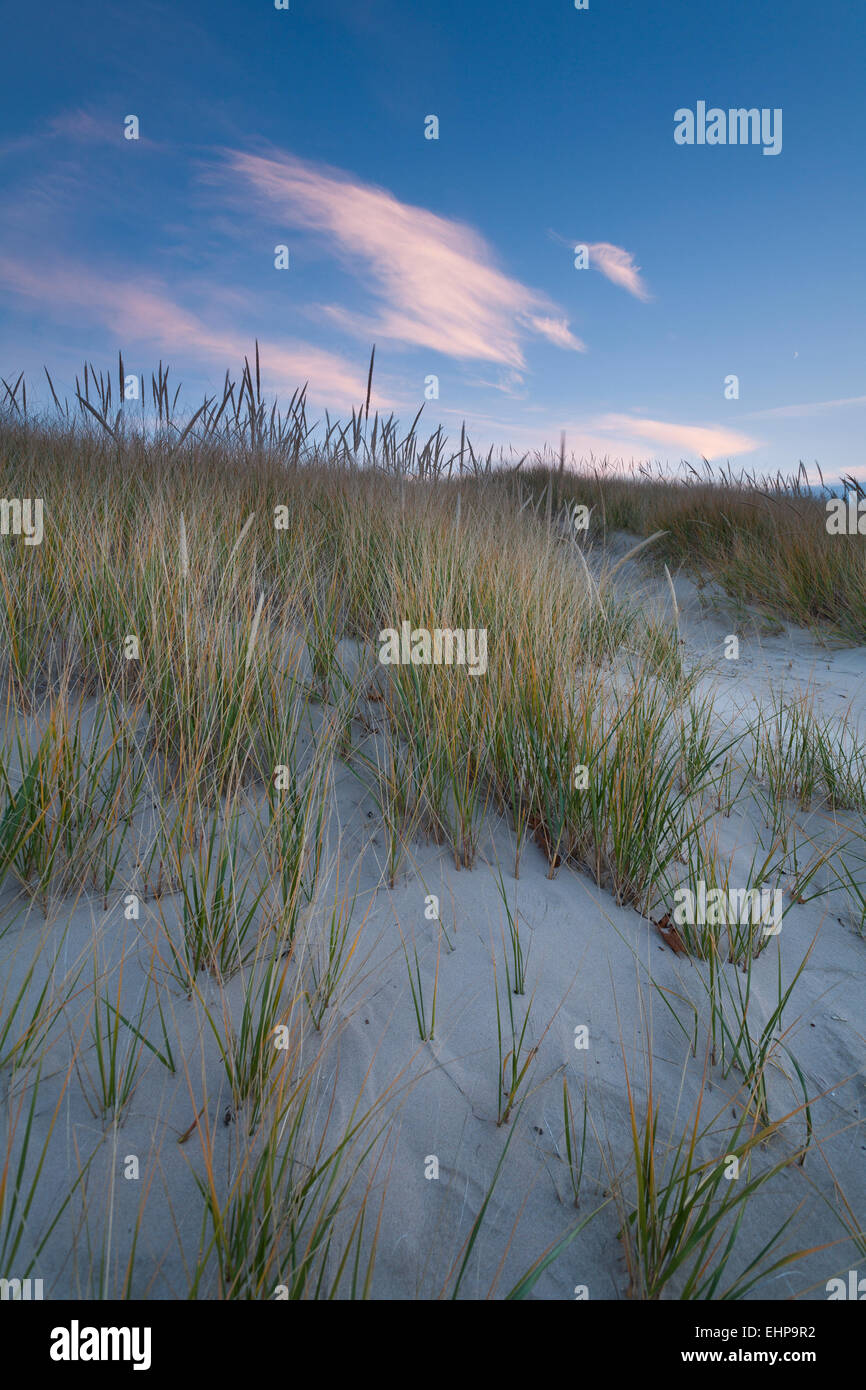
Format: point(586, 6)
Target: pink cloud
point(798, 412)
point(81, 125)
point(557, 332)
point(434, 278)
point(704, 441)
point(618, 265)
point(622, 440)
point(75, 126)
point(147, 315)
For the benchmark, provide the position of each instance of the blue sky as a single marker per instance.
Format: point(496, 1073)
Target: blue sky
point(305, 127)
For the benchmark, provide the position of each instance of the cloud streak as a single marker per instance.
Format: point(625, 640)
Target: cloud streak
point(802, 412)
point(618, 266)
point(704, 441)
point(434, 278)
point(148, 315)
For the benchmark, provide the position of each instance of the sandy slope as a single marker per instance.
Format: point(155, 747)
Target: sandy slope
point(590, 963)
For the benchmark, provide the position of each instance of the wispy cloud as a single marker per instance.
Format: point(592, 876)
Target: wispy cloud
point(801, 412)
point(83, 126)
point(434, 278)
point(146, 314)
point(557, 332)
point(619, 267)
point(73, 127)
point(508, 382)
point(704, 441)
point(619, 439)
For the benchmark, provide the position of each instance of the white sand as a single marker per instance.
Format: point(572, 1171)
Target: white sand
point(590, 963)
